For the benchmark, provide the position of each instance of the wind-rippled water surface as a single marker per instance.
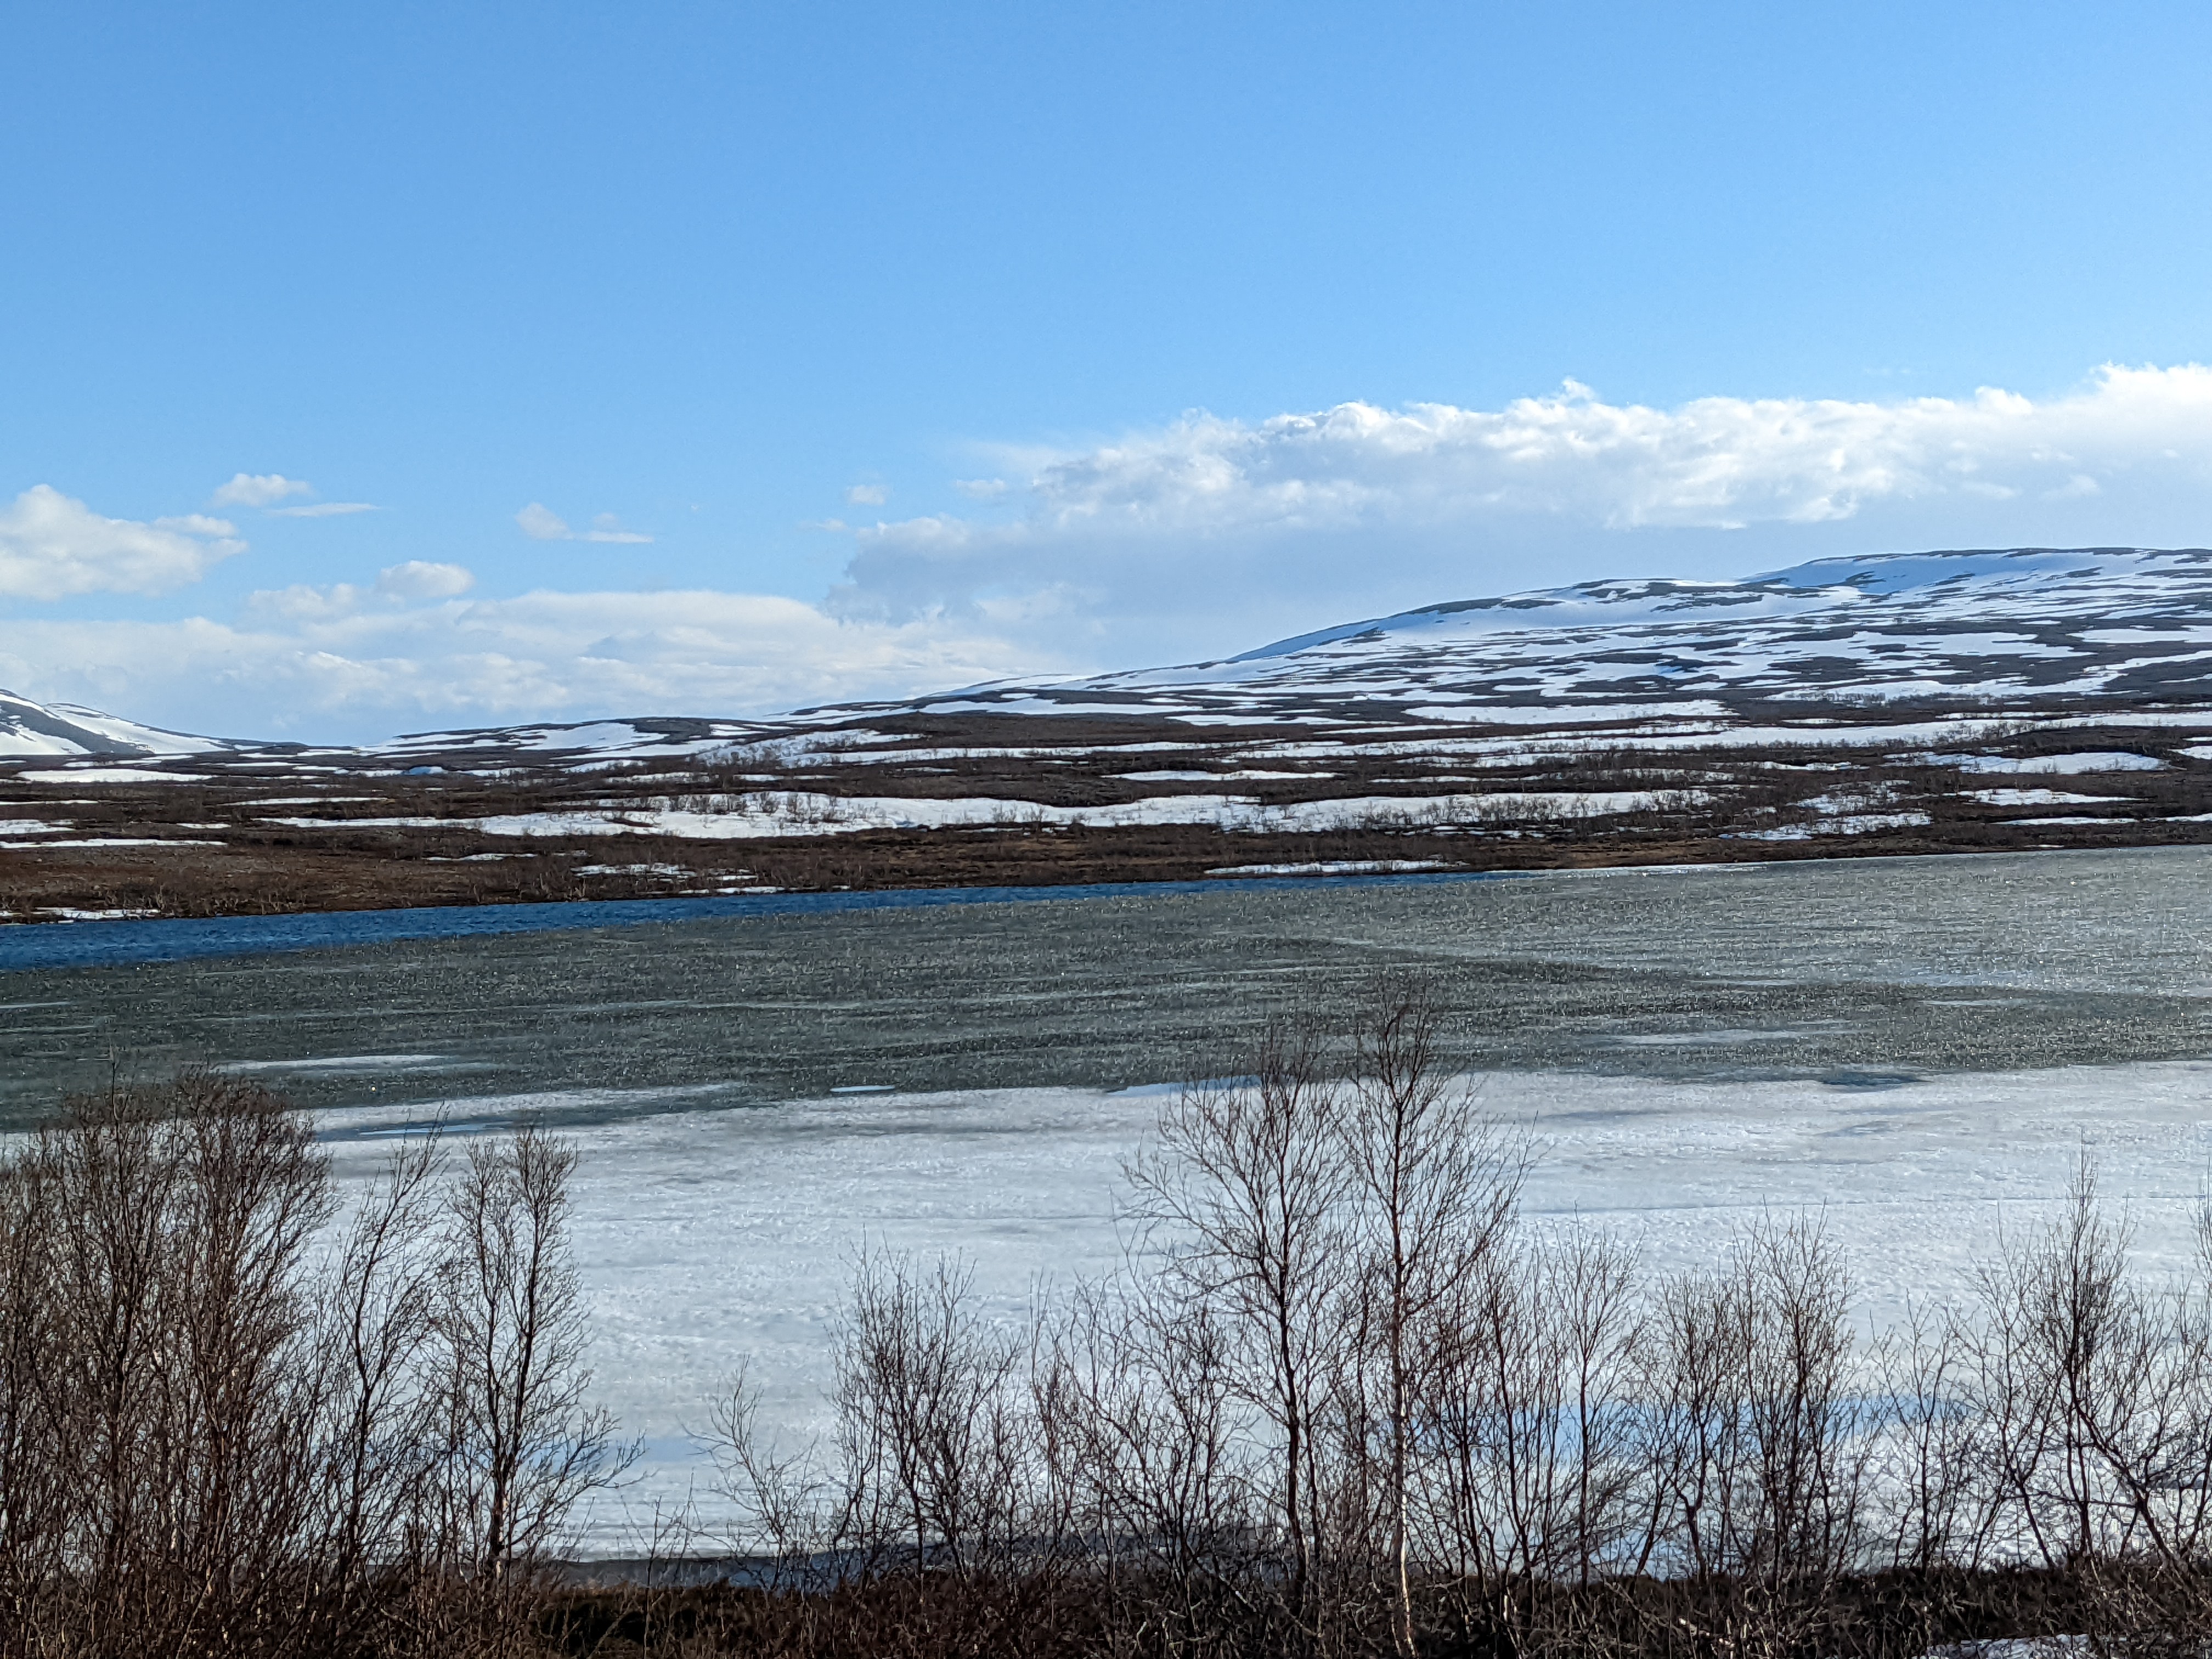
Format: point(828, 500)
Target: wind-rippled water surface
point(1854, 970)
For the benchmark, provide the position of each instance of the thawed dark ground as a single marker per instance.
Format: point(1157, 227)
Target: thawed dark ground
point(1857, 973)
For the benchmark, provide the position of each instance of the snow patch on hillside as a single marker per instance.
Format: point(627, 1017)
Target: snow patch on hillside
point(1808, 655)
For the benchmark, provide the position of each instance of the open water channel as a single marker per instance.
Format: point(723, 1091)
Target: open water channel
point(1859, 972)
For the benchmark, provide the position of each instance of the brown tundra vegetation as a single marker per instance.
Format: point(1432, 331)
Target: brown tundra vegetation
point(1345, 1399)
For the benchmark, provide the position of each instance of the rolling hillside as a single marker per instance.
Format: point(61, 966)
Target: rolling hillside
point(1938, 702)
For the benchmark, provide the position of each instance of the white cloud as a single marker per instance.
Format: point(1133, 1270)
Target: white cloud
point(1191, 539)
point(396, 585)
point(52, 546)
point(419, 579)
point(258, 489)
point(303, 603)
point(265, 489)
point(872, 495)
point(322, 510)
point(352, 662)
point(540, 523)
point(605, 527)
point(1360, 508)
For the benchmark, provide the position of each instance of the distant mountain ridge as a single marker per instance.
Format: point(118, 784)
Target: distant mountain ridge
point(2022, 574)
point(2031, 625)
point(2003, 701)
point(2024, 625)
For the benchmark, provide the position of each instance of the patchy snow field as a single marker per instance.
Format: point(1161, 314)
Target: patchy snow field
point(708, 1236)
point(1644, 721)
point(1610, 665)
point(799, 812)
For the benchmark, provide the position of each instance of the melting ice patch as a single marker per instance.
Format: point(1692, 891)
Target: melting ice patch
point(2035, 798)
point(2092, 761)
point(709, 1235)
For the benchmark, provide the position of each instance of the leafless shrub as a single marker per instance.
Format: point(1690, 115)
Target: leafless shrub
point(1763, 1439)
point(160, 1483)
point(1153, 1440)
point(942, 1516)
point(216, 1435)
point(1247, 1184)
point(2096, 1395)
point(935, 1446)
point(1431, 1188)
point(1538, 1471)
point(1939, 1513)
point(521, 1448)
point(1343, 1398)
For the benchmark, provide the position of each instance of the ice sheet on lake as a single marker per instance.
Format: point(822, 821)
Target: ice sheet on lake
point(706, 1237)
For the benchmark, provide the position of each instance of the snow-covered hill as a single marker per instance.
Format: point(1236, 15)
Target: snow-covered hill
point(1908, 704)
point(2017, 626)
point(42, 730)
point(2023, 630)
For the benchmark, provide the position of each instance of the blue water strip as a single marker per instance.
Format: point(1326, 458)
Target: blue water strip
point(115, 944)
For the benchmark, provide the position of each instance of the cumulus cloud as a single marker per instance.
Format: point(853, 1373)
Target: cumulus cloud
point(405, 654)
point(265, 489)
point(868, 494)
point(1192, 539)
point(259, 489)
point(1432, 501)
point(540, 523)
point(420, 579)
point(52, 546)
point(415, 581)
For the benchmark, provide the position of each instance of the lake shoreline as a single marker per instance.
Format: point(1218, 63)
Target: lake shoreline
point(91, 938)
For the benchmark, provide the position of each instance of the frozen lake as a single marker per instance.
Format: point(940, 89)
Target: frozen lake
point(1919, 1047)
point(709, 1235)
point(1866, 966)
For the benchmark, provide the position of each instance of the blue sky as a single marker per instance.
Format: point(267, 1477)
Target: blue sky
point(850, 350)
